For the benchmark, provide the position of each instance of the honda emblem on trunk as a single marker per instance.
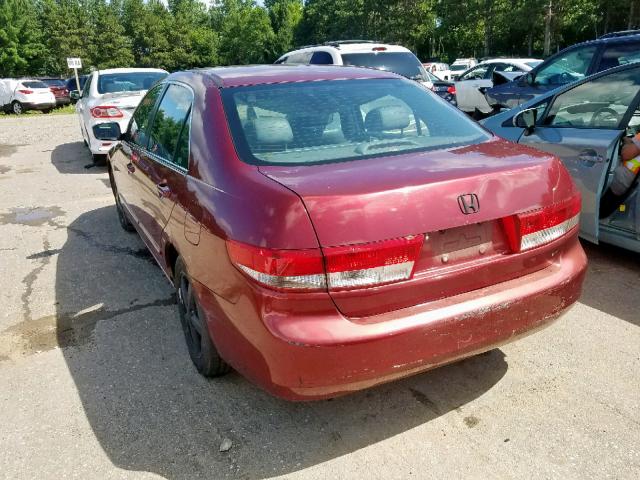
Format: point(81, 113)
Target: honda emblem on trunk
point(469, 203)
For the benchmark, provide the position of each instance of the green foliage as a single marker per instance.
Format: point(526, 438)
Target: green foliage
point(36, 36)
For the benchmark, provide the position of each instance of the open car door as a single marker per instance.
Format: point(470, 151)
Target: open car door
point(583, 125)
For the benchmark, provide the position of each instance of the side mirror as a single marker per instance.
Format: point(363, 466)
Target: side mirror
point(107, 131)
point(529, 79)
point(525, 119)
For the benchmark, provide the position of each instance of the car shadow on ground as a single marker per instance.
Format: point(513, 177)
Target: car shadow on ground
point(151, 411)
point(612, 280)
point(74, 157)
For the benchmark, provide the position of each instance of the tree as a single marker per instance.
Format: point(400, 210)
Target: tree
point(246, 35)
point(285, 17)
point(109, 47)
point(21, 45)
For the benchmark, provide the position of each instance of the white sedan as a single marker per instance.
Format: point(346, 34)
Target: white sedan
point(471, 85)
point(111, 96)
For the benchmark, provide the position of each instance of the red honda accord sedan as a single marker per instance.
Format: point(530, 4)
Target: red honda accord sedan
point(328, 229)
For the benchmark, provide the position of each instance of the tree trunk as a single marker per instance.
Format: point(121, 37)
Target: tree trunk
point(530, 44)
point(547, 28)
point(632, 5)
point(488, 4)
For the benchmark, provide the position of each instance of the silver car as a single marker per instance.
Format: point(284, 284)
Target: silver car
point(584, 124)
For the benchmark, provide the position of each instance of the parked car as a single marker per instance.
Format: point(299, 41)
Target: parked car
point(457, 68)
point(73, 86)
point(59, 89)
point(360, 53)
point(328, 229)
point(19, 96)
point(446, 90)
point(471, 85)
point(438, 69)
point(108, 95)
point(569, 65)
point(584, 124)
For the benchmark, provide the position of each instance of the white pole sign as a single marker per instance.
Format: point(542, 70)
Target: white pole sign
point(75, 63)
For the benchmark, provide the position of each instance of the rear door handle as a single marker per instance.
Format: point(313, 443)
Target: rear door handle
point(130, 168)
point(163, 190)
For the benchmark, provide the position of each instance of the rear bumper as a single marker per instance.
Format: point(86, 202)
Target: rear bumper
point(62, 101)
point(38, 106)
point(317, 355)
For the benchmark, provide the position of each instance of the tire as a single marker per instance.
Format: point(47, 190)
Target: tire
point(46, 111)
point(203, 353)
point(125, 223)
point(99, 159)
point(16, 107)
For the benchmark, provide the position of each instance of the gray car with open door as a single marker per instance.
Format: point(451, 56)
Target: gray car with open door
point(584, 124)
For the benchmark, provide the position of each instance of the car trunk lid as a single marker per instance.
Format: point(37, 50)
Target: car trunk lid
point(424, 194)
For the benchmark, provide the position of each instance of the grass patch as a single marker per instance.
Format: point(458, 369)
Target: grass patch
point(67, 109)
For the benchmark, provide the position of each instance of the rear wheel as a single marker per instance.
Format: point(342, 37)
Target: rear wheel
point(16, 107)
point(203, 353)
point(46, 111)
point(99, 159)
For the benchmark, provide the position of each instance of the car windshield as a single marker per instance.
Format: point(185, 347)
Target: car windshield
point(402, 63)
point(34, 84)
point(459, 67)
point(128, 82)
point(332, 121)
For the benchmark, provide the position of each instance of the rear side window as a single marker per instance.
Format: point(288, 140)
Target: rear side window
point(566, 68)
point(616, 55)
point(321, 58)
point(139, 126)
point(302, 58)
point(170, 123)
point(332, 121)
point(477, 73)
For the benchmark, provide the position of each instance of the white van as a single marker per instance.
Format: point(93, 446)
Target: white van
point(18, 96)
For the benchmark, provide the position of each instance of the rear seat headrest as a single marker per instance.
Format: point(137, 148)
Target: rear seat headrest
point(392, 117)
point(273, 130)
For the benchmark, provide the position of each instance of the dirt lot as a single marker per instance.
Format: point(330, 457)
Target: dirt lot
point(95, 380)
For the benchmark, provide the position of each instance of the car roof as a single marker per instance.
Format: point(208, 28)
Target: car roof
point(130, 70)
point(226, 77)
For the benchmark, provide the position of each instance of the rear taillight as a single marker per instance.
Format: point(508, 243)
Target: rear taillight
point(451, 90)
point(106, 111)
point(375, 263)
point(531, 229)
point(26, 92)
point(286, 269)
point(340, 268)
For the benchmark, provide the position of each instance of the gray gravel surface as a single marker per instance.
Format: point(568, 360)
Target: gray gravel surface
point(95, 380)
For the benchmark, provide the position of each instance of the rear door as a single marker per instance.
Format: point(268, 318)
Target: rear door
point(468, 85)
point(583, 126)
point(124, 159)
point(161, 170)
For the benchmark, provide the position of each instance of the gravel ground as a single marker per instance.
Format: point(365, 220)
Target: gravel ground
point(95, 380)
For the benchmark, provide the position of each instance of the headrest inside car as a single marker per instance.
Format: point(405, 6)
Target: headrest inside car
point(273, 130)
point(392, 117)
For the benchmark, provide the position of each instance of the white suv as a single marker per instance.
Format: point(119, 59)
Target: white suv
point(111, 96)
point(360, 53)
point(18, 96)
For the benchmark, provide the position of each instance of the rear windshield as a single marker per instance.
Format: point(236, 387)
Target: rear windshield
point(128, 82)
point(459, 67)
point(34, 84)
point(340, 120)
point(402, 63)
point(54, 82)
